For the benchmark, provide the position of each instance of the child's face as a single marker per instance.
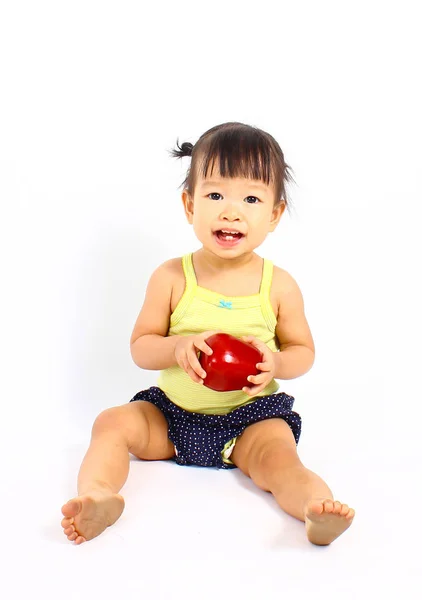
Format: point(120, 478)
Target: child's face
point(244, 205)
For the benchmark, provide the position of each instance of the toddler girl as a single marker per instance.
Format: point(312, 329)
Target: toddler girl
point(234, 195)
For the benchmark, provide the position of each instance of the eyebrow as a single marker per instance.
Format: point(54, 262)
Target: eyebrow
point(257, 186)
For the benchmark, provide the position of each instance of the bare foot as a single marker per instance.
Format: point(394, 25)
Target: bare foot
point(327, 519)
point(87, 516)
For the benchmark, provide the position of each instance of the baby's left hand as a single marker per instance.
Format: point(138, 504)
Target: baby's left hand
point(267, 367)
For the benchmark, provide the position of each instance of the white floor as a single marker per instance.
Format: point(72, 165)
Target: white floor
point(197, 533)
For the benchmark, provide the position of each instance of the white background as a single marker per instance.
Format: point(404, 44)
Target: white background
point(93, 95)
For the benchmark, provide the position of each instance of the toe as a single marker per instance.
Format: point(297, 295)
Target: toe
point(328, 506)
point(72, 536)
point(344, 510)
point(337, 507)
point(71, 508)
point(350, 514)
point(66, 522)
point(315, 506)
point(80, 540)
point(69, 530)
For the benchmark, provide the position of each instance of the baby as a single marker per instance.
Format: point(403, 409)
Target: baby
point(234, 195)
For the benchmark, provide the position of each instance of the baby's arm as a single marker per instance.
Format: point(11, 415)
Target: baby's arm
point(150, 346)
point(297, 349)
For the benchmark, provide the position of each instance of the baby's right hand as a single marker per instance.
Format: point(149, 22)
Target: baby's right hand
point(186, 356)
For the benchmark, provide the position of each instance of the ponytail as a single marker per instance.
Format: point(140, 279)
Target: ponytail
point(184, 150)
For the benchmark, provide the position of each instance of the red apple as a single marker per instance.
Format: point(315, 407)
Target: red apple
point(231, 362)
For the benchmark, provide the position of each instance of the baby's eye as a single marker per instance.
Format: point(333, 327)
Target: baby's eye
point(247, 198)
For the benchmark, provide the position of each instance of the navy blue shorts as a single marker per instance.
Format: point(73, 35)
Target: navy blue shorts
point(199, 439)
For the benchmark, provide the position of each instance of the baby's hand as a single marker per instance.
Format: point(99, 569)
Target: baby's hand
point(186, 354)
point(267, 366)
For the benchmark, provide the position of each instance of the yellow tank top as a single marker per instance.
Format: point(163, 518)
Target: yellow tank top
point(201, 310)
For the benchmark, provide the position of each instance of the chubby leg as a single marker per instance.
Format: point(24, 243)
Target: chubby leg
point(138, 428)
point(266, 452)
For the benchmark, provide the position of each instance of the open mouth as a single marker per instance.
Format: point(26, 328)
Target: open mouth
point(228, 235)
point(228, 238)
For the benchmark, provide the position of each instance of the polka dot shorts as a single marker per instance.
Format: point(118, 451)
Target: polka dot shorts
point(200, 439)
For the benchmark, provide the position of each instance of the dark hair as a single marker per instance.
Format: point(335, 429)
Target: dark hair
point(240, 151)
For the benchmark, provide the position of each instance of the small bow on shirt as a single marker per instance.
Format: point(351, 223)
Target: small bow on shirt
point(224, 304)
